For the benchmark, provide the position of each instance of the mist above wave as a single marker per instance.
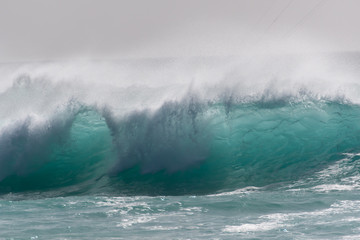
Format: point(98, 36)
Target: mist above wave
point(134, 85)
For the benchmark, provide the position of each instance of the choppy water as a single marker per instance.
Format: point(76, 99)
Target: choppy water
point(329, 211)
point(135, 155)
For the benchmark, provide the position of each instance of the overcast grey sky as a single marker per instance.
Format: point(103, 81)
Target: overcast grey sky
point(53, 29)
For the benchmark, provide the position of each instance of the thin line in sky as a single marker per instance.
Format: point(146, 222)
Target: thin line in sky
point(302, 20)
point(279, 15)
point(258, 21)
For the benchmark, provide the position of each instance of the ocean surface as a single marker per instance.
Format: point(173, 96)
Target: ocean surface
point(256, 147)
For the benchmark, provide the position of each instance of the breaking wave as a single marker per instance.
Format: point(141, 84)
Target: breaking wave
point(184, 147)
point(61, 137)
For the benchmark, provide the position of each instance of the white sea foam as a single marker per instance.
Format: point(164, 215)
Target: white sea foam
point(333, 187)
point(341, 175)
point(128, 222)
point(161, 228)
point(288, 222)
point(260, 227)
point(240, 192)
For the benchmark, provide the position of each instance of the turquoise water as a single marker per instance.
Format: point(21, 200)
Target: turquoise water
point(247, 214)
point(189, 170)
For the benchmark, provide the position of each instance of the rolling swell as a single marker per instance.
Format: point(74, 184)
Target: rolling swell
point(186, 147)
